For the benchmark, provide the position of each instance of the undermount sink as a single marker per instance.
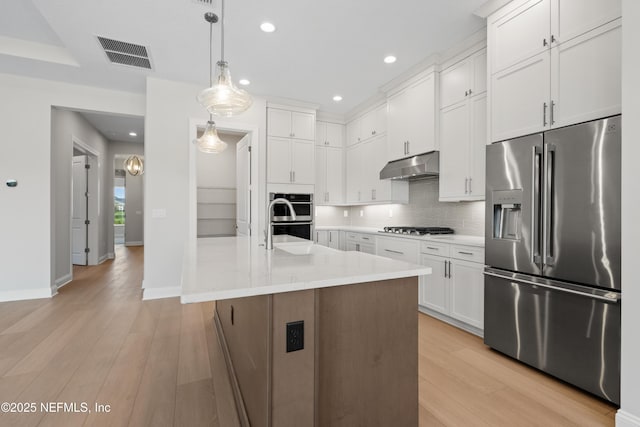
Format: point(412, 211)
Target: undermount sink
point(299, 249)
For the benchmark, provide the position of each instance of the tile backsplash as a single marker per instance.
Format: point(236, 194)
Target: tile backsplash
point(423, 209)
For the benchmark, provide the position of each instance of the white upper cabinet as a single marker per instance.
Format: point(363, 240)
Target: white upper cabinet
point(462, 150)
point(520, 102)
point(329, 134)
point(290, 161)
point(576, 17)
point(290, 124)
point(411, 119)
point(371, 124)
point(464, 79)
point(279, 158)
point(462, 129)
point(586, 79)
point(363, 165)
point(520, 33)
point(329, 188)
point(573, 76)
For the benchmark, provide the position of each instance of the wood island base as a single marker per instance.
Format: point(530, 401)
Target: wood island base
point(358, 367)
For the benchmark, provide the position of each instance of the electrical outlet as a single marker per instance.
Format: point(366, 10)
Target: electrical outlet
point(295, 336)
point(361, 212)
point(345, 213)
point(390, 213)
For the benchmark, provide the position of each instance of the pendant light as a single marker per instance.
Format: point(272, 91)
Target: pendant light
point(210, 142)
point(223, 98)
point(134, 165)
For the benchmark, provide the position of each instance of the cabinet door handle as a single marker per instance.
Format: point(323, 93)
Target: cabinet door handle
point(294, 176)
point(544, 42)
point(449, 269)
point(470, 184)
point(553, 38)
point(408, 147)
point(394, 252)
point(317, 236)
point(364, 238)
point(544, 114)
point(553, 105)
point(445, 269)
point(469, 92)
point(329, 237)
point(290, 177)
point(466, 184)
point(358, 247)
point(466, 93)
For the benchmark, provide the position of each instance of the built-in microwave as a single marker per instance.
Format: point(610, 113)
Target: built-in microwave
point(302, 204)
point(283, 222)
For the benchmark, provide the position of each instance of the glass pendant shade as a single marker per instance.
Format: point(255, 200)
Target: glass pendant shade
point(223, 98)
point(134, 165)
point(210, 142)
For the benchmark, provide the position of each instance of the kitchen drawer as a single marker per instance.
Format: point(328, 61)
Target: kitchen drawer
point(432, 248)
point(400, 249)
point(357, 237)
point(468, 253)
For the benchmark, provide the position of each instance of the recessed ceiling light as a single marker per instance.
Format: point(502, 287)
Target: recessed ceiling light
point(337, 98)
point(244, 82)
point(267, 27)
point(390, 59)
point(133, 134)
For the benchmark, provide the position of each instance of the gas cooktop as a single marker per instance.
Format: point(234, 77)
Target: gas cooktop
point(418, 231)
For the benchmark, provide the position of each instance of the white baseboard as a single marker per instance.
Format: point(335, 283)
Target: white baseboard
point(103, 258)
point(63, 281)
point(454, 322)
point(111, 255)
point(157, 293)
point(24, 294)
point(625, 419)
point(134, 243)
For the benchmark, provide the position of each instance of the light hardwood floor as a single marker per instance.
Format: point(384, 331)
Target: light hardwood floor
point(97, 341)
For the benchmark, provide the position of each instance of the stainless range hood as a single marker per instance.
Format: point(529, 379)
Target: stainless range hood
point(424, 165)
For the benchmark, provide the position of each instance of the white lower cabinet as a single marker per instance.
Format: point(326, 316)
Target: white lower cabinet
point(398, 248)
point(360, 243)
point(455, 287)
point(329, 238)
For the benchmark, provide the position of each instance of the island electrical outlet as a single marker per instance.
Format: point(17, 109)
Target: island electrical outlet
point(295, 336)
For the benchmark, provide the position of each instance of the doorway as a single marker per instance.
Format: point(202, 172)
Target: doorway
point(223, 188)
point(119, 203)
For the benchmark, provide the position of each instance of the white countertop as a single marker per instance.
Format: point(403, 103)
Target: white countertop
point(459, 239)
point(231, 267)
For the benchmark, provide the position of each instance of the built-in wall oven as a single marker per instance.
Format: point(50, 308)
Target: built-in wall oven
point(282, 219)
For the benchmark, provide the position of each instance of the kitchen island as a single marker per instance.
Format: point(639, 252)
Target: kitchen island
point(312, 336)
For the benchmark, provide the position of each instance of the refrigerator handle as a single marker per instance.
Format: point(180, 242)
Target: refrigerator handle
point(536, 257)
point(547, 222)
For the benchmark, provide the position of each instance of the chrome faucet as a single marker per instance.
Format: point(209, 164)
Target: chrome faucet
point(280, 200)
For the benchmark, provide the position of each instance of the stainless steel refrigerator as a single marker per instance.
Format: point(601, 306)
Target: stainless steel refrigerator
point(552, 282)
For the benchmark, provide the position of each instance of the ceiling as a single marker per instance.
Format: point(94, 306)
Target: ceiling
point(319, 49)
point(117, 127)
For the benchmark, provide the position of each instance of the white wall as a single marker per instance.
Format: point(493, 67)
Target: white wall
point(26, 258)
point(629, 413)
point(168, 147)
point(134, 193)
point(65, 125)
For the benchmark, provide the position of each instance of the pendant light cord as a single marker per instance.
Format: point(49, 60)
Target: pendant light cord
point(210, 54)
point(222, 32)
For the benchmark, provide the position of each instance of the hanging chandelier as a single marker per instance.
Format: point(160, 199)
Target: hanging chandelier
point(222, 98)
point(134, 165)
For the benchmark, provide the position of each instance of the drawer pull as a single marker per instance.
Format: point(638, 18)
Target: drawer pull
point(365, 238)
point(432, 248)
point(465, 253)
point(394, 252)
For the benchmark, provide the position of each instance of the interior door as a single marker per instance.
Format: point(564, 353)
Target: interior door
point(79, 211)
point(243, 187)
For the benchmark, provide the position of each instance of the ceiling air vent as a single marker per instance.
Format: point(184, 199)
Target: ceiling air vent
point(119, 52)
